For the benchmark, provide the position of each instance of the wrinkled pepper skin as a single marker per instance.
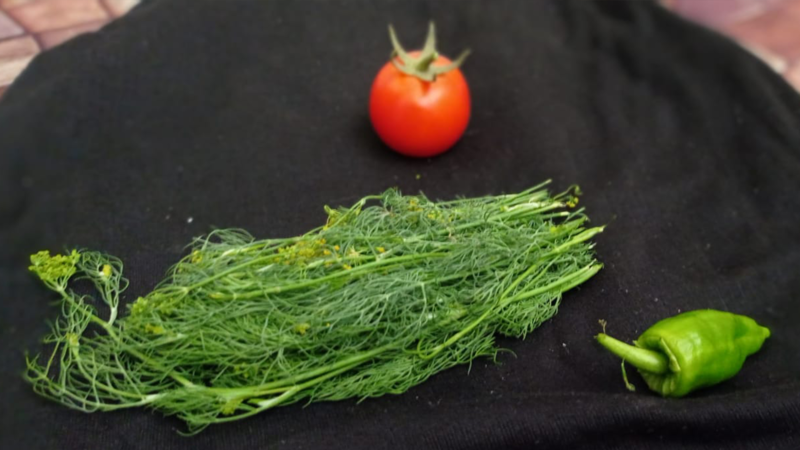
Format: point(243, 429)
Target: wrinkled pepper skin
point(697, 349)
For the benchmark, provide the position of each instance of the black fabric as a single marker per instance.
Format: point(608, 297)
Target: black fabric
point(253, 114)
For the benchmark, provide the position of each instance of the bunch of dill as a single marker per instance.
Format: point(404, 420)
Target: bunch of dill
point(384, 295)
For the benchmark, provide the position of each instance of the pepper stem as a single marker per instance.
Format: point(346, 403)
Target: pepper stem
point(641, 358)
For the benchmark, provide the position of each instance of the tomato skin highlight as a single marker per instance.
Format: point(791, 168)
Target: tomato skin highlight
point(419, 118)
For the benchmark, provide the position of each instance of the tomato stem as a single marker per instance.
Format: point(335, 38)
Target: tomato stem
point(421, 66)
point(425, 63)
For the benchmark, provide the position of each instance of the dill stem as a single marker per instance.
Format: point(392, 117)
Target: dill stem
point(111, 332)
point(569, 280)
point(395, 261)
point(538, 189)
point(85, 401)
point(576, 277)
point(228, 271)
point(144, 358)
point(264, 404)
point(259, 245)
point(564, 283)
point(582, 237)
point(347, 362)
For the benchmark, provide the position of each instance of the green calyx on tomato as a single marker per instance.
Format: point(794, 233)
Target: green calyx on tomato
point(421, 65)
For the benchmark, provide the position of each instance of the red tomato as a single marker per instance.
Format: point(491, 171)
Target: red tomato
point(416, 117)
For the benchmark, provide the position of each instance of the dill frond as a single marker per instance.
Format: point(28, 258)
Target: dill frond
point(386, 294)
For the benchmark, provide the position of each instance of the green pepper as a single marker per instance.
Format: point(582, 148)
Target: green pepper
point(689, 351)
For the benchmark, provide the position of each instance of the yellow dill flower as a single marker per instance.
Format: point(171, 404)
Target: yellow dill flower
point(141, 305)
point(413, 205)
point(347, 266)
point(153, 329)
point(72, 339)
point(380, 249)
point(301, 328)
point(231, 406)
point(336, 247)
point(56, 269)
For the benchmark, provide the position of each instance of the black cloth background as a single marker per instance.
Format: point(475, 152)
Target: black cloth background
point(253, 114)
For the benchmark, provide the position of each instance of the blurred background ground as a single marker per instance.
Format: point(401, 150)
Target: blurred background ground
point(768, 28)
